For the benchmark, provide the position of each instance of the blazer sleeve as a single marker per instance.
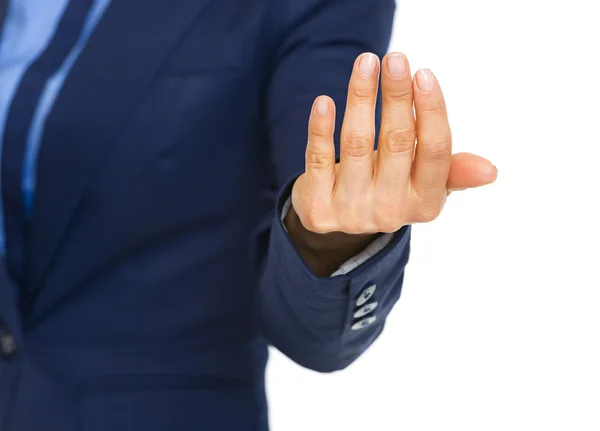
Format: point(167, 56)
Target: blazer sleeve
point(323, 324)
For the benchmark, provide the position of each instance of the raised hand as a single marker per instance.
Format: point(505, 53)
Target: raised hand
point(407, 180)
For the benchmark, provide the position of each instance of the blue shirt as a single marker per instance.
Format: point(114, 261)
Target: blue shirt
point(28, 29)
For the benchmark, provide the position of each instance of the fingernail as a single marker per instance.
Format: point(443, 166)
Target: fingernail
point(492, 172)
point(396, 64)
point(367, 64)
point(322, 106)
point(425, 80)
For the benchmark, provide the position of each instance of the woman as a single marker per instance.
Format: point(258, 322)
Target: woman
point(163, 216)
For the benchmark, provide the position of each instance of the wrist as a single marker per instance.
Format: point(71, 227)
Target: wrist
point(324, 253)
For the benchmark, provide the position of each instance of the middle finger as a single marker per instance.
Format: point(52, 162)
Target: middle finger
point(398, 133)
point(358, 129)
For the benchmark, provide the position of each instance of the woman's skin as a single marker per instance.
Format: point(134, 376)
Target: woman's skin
point(339, 208)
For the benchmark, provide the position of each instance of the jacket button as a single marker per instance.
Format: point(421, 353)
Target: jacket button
point(365, 295)
point(8, 344)
point(362, 312)
point(364, 323)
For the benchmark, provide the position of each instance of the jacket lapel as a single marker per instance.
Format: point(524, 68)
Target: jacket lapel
point(119, 62)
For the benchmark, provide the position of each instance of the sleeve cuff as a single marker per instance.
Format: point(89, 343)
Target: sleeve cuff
point(325, 323)
point(354, 262)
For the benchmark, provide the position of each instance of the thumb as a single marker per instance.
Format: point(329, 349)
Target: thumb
point(469, 171)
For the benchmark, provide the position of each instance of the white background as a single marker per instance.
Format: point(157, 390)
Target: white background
point(498, 327)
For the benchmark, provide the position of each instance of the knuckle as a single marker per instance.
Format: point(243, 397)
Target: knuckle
point(362, 92)
point(352, 217)
point(439, 149)
point(319, 160)
point(399, 93)
point(358, 144)
point(357, 228)
point(390, 221)
point(316, 222)
point(401, 140)
point(348, 228)
point(318, 133)
point(389, 226)
point(434, 106)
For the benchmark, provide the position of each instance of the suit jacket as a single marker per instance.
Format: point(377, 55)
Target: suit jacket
point(158, 268)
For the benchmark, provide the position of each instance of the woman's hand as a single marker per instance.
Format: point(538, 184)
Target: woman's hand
point(405, 181)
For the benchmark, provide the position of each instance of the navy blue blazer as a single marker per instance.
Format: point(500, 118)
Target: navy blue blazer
point(158, 268)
